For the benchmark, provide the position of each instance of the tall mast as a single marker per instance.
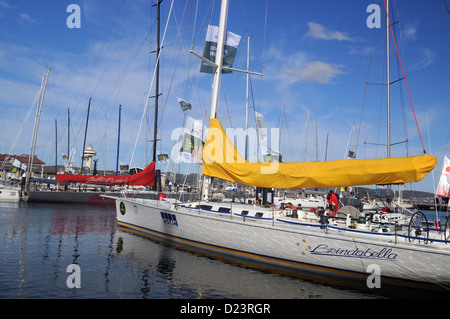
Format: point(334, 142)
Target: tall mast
point(246, 98)
point(217, 78)
point(388, 81)
point(56, 147)
point(104, 159)
point(219, 58)
point(118, 142)
point(281, 125)
point(36, 125)
point(306, 138)
point(155, 130)
point(317, 143)
point(68, 132)
point(157, 184)
point(85, 134)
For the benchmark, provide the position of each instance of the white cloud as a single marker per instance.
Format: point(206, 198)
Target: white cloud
point(427, 58)
point(315, 71)
point(410, 30)
point(6, 8)
point(26, 17)
point(319, 31)
point(361, 50)
point(299, 67)
point(6, 5)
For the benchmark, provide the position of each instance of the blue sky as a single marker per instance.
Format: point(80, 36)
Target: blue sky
point(315, 56)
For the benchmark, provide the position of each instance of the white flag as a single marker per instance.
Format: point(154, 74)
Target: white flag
point(193, 139)
point(210, 49)
point(443, 188)
point(261, 128)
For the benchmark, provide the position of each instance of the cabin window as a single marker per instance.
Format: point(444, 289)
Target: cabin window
point(207, 207)
point(259, 214)
point(244, 212)
point(224, 209)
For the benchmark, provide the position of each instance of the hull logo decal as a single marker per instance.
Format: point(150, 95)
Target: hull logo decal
point(384, 254)
point(169, 219)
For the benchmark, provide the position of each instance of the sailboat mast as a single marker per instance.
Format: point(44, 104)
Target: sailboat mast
point(118, 142)
point(157, 184)
point(155, 128)
point(85, 134)
point(36, 120)
point(281, 125)
point(217, 78)
point(388, 77)
point(68, 132)
point(219, 58)
point(36, 125)
point(246, 98)
point(56, 147)
point(306, 139)
point(104, 159)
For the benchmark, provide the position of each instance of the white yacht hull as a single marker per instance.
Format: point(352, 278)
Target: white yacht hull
point(9, 194)
point(294, 245)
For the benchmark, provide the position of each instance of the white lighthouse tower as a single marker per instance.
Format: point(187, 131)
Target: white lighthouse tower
point(89, 153)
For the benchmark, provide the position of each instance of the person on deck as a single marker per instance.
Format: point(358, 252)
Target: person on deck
point(333, 203)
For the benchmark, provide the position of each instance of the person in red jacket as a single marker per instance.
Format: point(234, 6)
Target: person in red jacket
point(333, 203)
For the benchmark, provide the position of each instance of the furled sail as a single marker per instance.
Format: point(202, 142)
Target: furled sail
point(145, 177)
point(221, 159)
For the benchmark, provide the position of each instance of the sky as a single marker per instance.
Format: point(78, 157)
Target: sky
point(316, 58)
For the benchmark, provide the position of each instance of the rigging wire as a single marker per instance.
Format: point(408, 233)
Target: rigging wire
point(403, 109)
point(100, 62)
point(151, 84)
point(446, 6)
point(263, 51)
point(100, 55)
point(31, 107)
point(404, 77)
point(176, 65)
point(365, 89)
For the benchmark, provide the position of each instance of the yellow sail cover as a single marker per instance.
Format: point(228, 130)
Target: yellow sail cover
point(221, 159)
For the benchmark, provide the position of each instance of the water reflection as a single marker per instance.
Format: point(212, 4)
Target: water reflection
point(38, 242)
point(188, 274)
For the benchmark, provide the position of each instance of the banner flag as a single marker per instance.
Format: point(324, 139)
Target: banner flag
point(210, 49)
point(443, 188)
point(184, 104)
point(192, 144)
point(261, 128)
point(163, 157)
point(17, 167)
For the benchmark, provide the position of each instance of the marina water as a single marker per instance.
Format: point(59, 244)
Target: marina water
point(40, 241)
